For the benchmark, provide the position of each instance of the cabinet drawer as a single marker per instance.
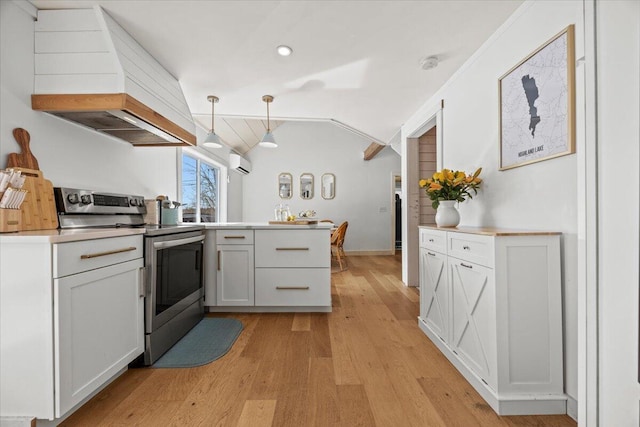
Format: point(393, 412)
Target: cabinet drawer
point(293, 248)
point(234, 237)
point(75, 257)
point(433, 239)
point(471, 247)
point(293, 287)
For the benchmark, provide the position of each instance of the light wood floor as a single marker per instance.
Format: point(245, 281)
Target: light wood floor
point(364, 364)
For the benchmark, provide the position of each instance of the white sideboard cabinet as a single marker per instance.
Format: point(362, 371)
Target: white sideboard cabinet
point(491, 301)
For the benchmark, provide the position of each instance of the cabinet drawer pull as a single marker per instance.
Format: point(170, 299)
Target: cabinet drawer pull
point(466, 248)
point(465, 265)
point(432, 254)
point(300, 288)
point(218, 260)
point(99, 254)
point(431, 240)
point(234, 237)
point(292, 249)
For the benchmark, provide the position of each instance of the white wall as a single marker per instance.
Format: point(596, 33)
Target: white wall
point(234, 200)
point(618, 89)
point(70, 155)
point(540, 196)
point(363, 188)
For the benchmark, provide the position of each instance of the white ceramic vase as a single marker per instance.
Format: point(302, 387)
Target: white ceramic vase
point(447, 215)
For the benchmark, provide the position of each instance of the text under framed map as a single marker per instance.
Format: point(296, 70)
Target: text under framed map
point(537, 104)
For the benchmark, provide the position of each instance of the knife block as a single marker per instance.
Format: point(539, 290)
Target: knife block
point(10, 220)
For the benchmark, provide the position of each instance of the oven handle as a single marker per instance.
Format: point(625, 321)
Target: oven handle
point(172, 243)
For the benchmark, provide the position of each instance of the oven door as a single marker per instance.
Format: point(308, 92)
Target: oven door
point(174, 274)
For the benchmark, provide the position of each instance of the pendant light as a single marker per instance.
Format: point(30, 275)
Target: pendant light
point(267, 140)
point(212, 140)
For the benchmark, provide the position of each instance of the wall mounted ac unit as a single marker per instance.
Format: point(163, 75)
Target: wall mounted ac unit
point(239, 164)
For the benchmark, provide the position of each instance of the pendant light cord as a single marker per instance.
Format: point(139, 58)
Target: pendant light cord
point(268, 125)
point(212, 115)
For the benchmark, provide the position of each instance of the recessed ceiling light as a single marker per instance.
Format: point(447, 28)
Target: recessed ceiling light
point(284, 50)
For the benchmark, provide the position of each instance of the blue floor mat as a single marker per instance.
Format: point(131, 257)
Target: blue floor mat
point(209, 340)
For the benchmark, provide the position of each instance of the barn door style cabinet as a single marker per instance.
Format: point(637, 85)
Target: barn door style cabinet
point(491, 301)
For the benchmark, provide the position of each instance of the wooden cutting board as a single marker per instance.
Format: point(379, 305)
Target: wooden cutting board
point(39, 206)
point(38, 211)
point(295, 222)
point(24, 159)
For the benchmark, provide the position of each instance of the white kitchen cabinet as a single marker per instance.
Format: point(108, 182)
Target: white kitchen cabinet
point(434, 292)
point(71, 320)
point(292, 287)
point(234, 267)
point(266, 268)
point(100, 328)
point(235, 277)
point(491, 301)
point(473, 318)
point(292, 248)
point(293, 268)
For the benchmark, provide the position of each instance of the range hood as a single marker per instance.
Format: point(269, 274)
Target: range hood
point(90, 71)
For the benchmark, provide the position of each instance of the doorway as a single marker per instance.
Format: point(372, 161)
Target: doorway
point(396, 213)
point(427, 166)
point(422, 155)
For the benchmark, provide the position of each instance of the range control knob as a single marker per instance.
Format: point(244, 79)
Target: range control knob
point(73, 198)
point(133, 202)
point(85, 199)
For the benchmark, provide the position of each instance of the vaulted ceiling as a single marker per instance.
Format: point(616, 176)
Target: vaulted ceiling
point(354, 62)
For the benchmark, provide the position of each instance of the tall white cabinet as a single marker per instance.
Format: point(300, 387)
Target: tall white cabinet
point(491, 301)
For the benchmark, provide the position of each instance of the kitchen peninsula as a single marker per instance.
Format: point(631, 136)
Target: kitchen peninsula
point(261, 267)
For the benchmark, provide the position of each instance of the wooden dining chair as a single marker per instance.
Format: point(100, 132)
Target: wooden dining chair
point(337, 242)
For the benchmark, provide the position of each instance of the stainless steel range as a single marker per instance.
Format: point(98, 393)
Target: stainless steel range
point(173, 261)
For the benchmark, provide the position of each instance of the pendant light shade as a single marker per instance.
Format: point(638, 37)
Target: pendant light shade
point(212, 140)
point(267, 140)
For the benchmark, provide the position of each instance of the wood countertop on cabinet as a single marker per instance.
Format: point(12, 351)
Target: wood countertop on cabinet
point(492, 231)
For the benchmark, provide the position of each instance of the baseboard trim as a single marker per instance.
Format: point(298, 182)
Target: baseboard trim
point(17, 422)
point(572, 408)
point(368, 253)
point(268, 309)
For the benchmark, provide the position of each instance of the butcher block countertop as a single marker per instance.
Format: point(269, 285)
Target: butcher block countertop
point(492, 231)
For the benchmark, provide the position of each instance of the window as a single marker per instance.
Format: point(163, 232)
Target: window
point(200, 189)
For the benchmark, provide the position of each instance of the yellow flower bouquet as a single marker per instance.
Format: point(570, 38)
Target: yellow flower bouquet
point(451, 185)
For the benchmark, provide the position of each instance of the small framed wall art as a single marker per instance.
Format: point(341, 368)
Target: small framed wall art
point(285, 185)
point(537, 104)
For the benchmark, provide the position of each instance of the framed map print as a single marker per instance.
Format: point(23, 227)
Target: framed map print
point(537, 104)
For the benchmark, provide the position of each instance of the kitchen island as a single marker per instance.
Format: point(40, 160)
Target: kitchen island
point(260, 267)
